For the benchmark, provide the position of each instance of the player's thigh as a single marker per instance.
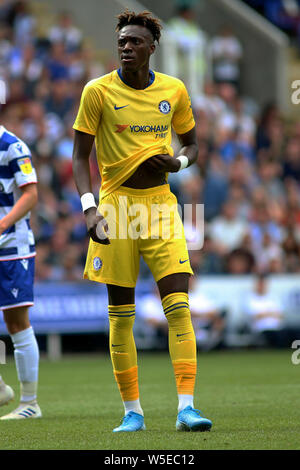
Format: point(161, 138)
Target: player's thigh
point(177, 282)
point(118, 295)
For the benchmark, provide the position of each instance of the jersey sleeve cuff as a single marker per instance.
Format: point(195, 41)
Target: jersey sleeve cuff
point(184, 130)
point(83, 129)
point(26, 184)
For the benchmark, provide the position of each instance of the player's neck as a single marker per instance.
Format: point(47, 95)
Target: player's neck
point(138, 79)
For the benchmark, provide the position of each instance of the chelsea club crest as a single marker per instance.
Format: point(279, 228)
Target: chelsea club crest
point(164, 107)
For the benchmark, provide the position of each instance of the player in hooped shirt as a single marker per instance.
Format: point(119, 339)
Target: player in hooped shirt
point(18, 195)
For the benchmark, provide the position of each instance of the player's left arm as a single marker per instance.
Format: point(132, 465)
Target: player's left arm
point(183, 124)
point(24, 205)
point(189, 146)
point(169, 164)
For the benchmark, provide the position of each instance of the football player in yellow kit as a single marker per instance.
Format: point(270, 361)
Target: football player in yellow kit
point(130, 114)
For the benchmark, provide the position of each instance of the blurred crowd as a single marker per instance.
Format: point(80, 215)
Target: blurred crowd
point(247, 174)
point(247, 177)
point(45, 75)
point(285, 14)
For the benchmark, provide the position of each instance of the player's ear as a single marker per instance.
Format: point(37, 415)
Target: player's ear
point(152, 48)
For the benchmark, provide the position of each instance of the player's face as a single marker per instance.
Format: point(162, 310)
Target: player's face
point(135, 45)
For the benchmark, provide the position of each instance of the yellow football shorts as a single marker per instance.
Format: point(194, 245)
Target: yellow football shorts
point(141, 222)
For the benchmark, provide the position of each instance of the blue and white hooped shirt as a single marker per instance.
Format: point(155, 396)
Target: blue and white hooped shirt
point(16, 170)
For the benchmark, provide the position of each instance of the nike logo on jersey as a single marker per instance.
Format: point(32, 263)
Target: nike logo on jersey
point(120, 107)
point(184, 261)
point(182, 334)
point(115, 345)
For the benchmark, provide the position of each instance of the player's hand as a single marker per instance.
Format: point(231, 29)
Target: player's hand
point(162, 164)
point(97, 226)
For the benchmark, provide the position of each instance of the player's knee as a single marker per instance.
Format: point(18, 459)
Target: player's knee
point(121, 322)
point(15, 326)
point(16, 319)
point(179, 317)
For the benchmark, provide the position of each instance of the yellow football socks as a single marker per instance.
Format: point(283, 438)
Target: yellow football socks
point(182, 347)
point(123, 350)
point(182, 341)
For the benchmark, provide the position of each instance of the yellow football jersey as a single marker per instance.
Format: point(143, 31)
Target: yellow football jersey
point(132, 125)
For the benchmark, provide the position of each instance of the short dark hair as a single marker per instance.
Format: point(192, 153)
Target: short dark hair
point(144, 18)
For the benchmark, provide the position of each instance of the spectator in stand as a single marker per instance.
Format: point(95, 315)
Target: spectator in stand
point(270, 257)
point(57, 63)
point(265, 314)
point(64, 147)
point(66, 32)
point(216, 187)
point(291, 250)
point(16, 96)
point(23, 23)
point(208, 320)
point(226, 52)
point(60, 101)
point(270, 131)
point(246, 129)
point(291, 220)
point(186, 33)
point(5, 49)
point(206, 261)
point(234, 128)
point(239, 261)
point(43, 267)
point(239, 194)
point(269, 176)
point(262, 223)
point(291, 166)
point(34, 126)
point(27, 65)
point(68, 269)
point(228, 230)
point(209, 102)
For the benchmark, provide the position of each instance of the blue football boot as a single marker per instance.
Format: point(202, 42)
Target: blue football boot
point(131, 422)
point(190, 419)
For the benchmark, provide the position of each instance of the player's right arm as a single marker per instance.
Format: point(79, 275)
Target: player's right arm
point(83, 143)
point(86, 125)
point(23, 205)
point(24, 174)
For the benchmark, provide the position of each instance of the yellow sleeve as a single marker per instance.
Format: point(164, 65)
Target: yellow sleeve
point(90, 109)
point(183, 119)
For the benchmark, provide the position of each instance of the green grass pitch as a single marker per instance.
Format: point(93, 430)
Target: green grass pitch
point(252, 397)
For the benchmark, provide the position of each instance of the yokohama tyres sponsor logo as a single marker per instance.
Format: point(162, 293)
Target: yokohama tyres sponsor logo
point(148, 128)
